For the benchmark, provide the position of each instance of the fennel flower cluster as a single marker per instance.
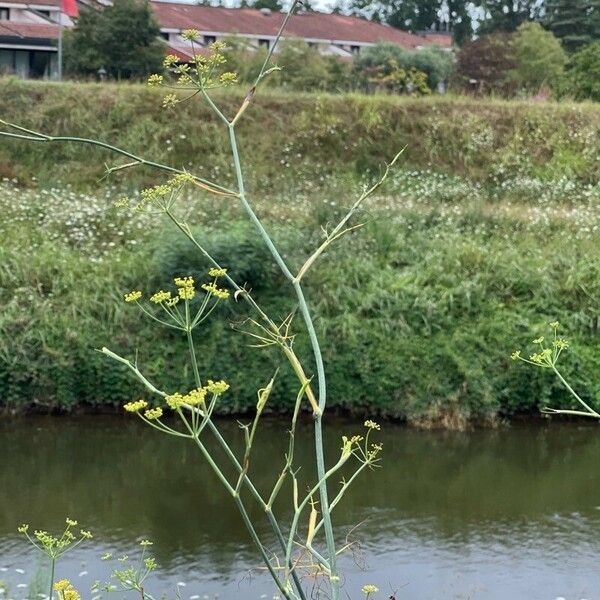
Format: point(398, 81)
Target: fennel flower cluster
point(202, 72)
point(66, 591)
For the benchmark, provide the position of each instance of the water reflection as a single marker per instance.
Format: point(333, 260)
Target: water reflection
point(511, 513)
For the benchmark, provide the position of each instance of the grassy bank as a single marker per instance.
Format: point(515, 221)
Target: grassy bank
point(288, 139)
point(419, 310)
point(487, 231)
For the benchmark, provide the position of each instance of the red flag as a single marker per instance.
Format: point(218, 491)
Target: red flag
point(70, 8)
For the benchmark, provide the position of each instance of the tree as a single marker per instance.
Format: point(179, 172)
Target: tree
point(434, 63)
point(274, 5)
point(420, 15)
point(410, 15)
point(303, 68)
point(583, 76)
point(121, 38)
point(506, 16)
point(575, 22)
point(459, 20)
point(486, 64)
point(539, 57)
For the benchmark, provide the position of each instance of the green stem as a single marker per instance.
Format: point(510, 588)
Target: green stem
point(52, 567)
point(190, 340)
point(36, 136)
point(318, 486)
point(319, 451)
point(260, 547)
point(248, 482)
point(592, 412)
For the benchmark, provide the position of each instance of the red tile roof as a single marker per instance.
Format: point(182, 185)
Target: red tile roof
point(28, 30)
point(311, 25)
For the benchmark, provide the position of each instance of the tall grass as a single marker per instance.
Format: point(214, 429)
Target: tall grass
point(460, 273)
point(291, 138)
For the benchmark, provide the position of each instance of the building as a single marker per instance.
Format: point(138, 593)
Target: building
point(29, 31)
point(331, 34)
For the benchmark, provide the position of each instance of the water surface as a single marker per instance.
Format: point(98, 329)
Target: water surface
point(495, 515)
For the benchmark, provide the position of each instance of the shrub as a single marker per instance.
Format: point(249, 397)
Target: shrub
point(485, 65)
point(383, 60)
point(539, 58)
point(583, 77)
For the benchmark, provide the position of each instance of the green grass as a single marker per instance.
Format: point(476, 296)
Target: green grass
point(487, 231)
point(419, 310)
point(288, 139)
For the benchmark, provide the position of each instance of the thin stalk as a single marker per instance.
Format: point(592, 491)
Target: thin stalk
point(241, 508)
point(36, 136)
point(256, 494)
point(260, 547)
point(52, 567)
point(299, 508)
point(190, 339)
point(340, 494)
point(592, 412)
point(135, 370)
point(319, 451)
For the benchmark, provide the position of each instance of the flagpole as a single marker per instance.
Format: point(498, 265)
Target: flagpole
point(60, 40)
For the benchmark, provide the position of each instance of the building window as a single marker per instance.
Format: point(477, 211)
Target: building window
point(209, 39)
point(43, 13)
point(4, 14)
point(164, 35)
point(264, 44)
point(7, 62)
point(355, 49)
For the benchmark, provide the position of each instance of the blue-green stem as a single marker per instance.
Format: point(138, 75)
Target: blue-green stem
point(52, 567)
point(227, 485)
point(319, 451)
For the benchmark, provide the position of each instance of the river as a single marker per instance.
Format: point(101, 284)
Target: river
point(505, 514)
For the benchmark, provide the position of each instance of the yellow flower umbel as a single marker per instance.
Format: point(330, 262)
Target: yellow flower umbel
point(174, 401)
point(135, 406)
point(152, 414)
point(66, 591)
point(185, 287)
point(160, 297)
point(61, 585)
point(214, 272)
point(215, 291)
point(133, 296)
point(195, 397)
point(369, 589)
point(217, 387)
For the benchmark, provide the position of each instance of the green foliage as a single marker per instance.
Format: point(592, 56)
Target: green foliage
point(575, 22)
point(436, 63)
point(303, 68)
point(328, 137)
point(248, 261)
point(410, 15)
point(392, 67)
point(121, 38)
point(539, 58)
point(485, 64)
point(507, 16)
point(420, 15)
point(583, 75)
point(451, 276)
